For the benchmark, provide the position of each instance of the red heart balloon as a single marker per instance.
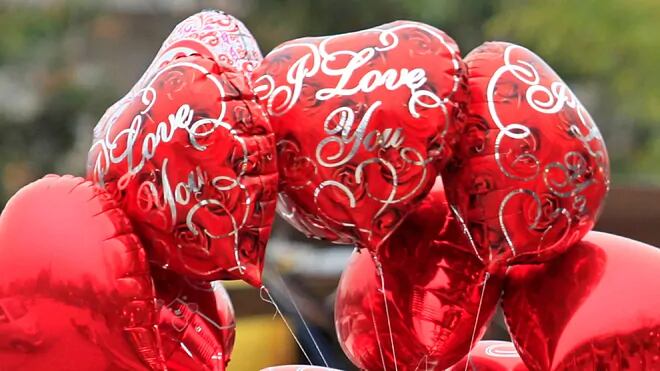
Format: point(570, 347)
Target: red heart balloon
point(596, 307)
point(362, 121)
point(531, 170)
point(75, 290)
point(492, 355)
point(197, 322)
point(433, 286)
point(191, 159)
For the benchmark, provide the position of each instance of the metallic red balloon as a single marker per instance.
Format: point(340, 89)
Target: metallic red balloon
point(596, 307)
point(492, 355)
point(197, 323)
point(362, 120)
point(75, 289)
point(191, 159)
point(531, 170)
point(433, 285)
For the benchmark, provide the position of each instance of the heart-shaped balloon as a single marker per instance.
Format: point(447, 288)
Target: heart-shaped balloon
point(191, 159)
point(491, 355)
point(595, 307)
point(531, 170)
point(415, 307)
point(362, 122)
point(197, 323)
point(190, 154)
point(75, 289)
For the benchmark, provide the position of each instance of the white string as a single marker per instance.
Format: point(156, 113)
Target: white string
point(309, 332)
point(476, 321)
point(387, 312)
point(270, 300)
point(380, 346)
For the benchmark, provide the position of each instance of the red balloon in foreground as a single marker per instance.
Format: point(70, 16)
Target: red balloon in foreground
point(75, 290)
point(491, 355)
point(432, 282)
point(596, 307)
point(363, 121)
point(531, 170)
point(197, 323)
point(191, 159)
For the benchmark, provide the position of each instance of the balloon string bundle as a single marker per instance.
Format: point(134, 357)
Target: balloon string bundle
point(379, 268)
point(269, 299)
point(476, 319)
point(302, 319)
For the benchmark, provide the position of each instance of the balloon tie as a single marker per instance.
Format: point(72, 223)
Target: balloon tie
point(269, 299)
point(309, 332)
point(387, 311)
point(476, 321)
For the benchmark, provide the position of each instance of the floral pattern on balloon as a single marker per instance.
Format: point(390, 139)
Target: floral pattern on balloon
point(363, 121)
point(191, 159)
point(531, 171)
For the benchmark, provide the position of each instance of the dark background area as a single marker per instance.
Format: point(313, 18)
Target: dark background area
point(62, 63)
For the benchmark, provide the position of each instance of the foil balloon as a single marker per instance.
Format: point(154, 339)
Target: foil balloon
point(197, 323)
point(531, 170)
point(491, 355)
point(418, 307)
point(191, 159)
point(362, 121)
point(75, 289)
point(596, 307)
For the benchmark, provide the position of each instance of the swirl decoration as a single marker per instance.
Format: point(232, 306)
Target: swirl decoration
point(187, 171)
point(356, 156)
point(542, 157)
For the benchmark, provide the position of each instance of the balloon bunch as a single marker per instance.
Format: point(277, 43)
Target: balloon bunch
point(460, 182)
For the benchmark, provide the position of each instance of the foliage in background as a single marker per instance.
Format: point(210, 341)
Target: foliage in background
point(606, 49)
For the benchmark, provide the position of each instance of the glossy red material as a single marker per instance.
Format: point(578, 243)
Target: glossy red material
point(432, 292)
point(531, 170)
point(363, 121)
point(596, 307)
point(75, 288)
point(492, 355)
point(197, 322)
point(190, 156)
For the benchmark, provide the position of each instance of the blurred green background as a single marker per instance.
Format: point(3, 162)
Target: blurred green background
point(63, 62)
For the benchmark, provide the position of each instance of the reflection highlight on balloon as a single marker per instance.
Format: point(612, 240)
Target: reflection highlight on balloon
point(595, 307)
point(75, 291)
